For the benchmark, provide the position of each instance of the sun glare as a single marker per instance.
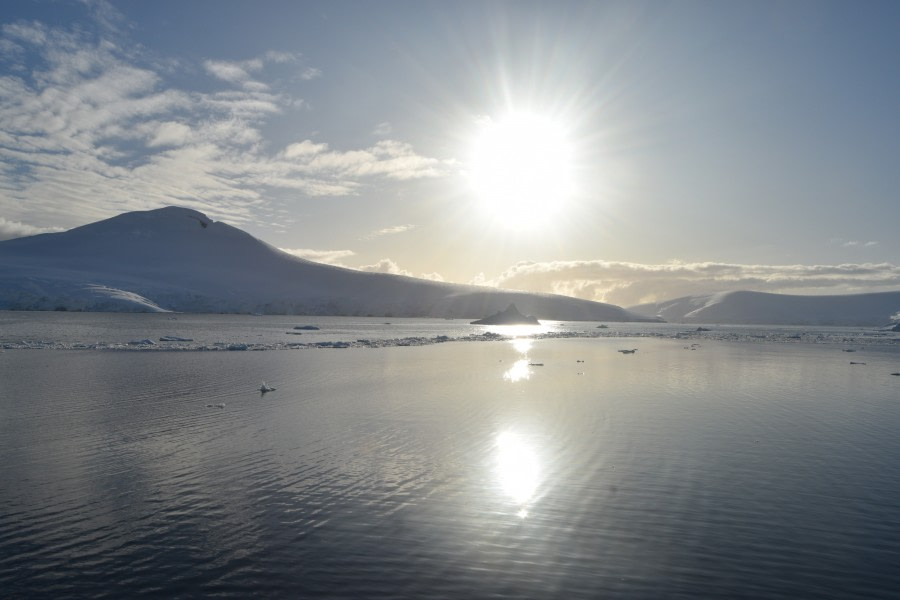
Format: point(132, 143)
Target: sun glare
point(521, 169)
point(517, 468)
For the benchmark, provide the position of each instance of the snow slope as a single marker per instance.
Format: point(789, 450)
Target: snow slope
point(178, 259)
point(758, 308)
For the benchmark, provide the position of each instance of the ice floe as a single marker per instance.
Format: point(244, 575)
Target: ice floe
point(846, 341)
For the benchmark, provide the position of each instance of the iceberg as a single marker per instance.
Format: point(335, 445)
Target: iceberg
point(509, 316)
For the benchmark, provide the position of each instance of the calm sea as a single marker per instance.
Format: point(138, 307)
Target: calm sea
point(737, 463)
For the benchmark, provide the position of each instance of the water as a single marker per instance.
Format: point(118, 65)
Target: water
point(451, 470)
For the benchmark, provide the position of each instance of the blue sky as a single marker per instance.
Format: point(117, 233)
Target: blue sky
point(708, 145)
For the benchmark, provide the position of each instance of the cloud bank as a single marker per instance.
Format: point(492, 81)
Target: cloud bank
point(91, 129)
point(628, 284)
point(14, 229)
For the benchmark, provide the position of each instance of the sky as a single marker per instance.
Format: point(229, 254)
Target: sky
point(623, 152)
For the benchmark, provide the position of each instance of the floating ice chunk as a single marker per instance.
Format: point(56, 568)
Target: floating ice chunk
point(332, 345)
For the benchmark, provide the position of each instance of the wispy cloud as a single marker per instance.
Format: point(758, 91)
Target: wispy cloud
point(853, 243)
point(233, 72)
point(331, 257)
point(382, 129)
point(310, 73)
point(387, 231)
point(335, 257)
point(89, 131)
point(243, 72)
point(627, 284)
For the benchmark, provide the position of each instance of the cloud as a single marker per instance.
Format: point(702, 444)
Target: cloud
point(303, 150)
point(331, 257)
point(627, 284)
point(385, 265)
point(241, 73)
point(170, 134)
point(310, 73)
point(387, 158)
point(334, 257)
point(853, 243)
point(14, 229)
point(88, 130)
point(482, 279)
point(388, 231)
point(232, 72)
point(382, 129)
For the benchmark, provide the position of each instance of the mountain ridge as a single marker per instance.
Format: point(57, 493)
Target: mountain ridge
point(177, 259)
point(744, 307)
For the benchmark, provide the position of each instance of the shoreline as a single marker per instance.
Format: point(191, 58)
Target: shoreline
point(875, 339)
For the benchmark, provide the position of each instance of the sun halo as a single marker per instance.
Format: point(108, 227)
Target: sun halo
point(521, 169)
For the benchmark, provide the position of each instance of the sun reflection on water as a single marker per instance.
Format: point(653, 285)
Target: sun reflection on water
point(518, 371)
point(519, 331)
point(518, 470)
point(522, 345)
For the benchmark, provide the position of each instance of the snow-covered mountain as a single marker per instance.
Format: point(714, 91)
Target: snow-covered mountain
point(178, 259)
point(758, 308)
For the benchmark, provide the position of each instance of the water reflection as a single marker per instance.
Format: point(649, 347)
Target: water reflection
point(522, 345)
point(518, 470)
point(518, 371)
point(518, 330)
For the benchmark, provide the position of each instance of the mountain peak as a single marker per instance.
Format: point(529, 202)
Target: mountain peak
point(166, 217)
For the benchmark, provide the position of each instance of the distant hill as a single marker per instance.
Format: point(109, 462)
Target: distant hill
point(758, 308)
point(177, 259)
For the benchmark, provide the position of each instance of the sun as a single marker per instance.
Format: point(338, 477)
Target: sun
point(521, 169)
